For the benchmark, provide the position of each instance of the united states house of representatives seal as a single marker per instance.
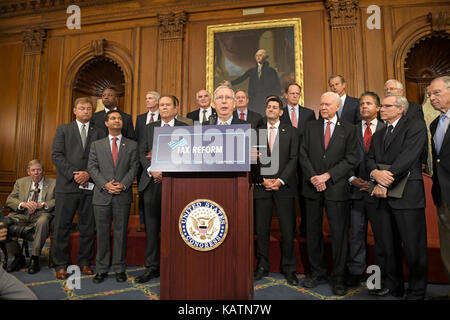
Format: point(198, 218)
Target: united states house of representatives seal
point(203, 225)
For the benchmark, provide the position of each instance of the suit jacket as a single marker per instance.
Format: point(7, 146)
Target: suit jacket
point(188, 121)
point(141, 122)
point(359, 170)
point(21, 192)
point(441, 167)
point(98, 119)
point(338, 159)
point(213, 120)
point(304, 115)
point(252, 117)
point(350, 111)
point(260, 87)
point(285, 153)
point(402, 150)
point(68, 154)
point(145, 147)
point(195, 115)
point(102, 170)
point(415, 111)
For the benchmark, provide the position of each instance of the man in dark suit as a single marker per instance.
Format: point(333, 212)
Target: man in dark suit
point(327, 155)
point(297, 116)
point(279, 188)
point(32, 202)
point(349, 106)
point(152, 115)
point(262, 81)
point(202, 114)
point(402, 215)
point(110, 101)
point(439, 93)
point(359, 180)
point(394, 86)
point(224, 102)
point(242, 112)
point(150, 186)
point(70, 152)
point(113, 164)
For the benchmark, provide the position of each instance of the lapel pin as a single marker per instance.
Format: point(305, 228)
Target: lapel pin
point(338, 123)
point(283, 130)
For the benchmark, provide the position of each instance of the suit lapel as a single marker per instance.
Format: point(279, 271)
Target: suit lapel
point(122, 150)
point(44, 190)
point(106, 146)
point(25, 190)
point(321, 134)
point(336, 131)
point(77, 134)
point(394, 133)
point(360, 136)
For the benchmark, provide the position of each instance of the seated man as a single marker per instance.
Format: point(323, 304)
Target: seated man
point(32, 201)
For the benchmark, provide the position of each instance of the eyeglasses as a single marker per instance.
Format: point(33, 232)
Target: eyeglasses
point(224, 97)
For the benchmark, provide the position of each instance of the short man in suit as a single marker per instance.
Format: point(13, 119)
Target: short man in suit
point(110, 101)
point(399, 146)
point(32, 202)
point(202, 114)
point(279, 189)
point(73, 193)
point(224, 103)
point(394, 86)
point(327, 155)
point(297, 116)
point(359, 182)
point(150, 185)
point(152, 115)
point(439, 94)
point(242, 112)
point(113, 164)
point(349, 106)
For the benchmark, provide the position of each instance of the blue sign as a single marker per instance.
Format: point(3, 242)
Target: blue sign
point(201, 148)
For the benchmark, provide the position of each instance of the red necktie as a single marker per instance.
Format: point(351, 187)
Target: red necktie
point(294, 118)
point(115, 151)
point(151, 118)
point(327, 134)
point(242, 116)
point(367, 136)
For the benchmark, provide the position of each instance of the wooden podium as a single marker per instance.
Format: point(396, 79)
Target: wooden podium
point(225, 272)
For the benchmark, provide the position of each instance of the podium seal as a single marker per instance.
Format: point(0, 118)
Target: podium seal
point(203, 225)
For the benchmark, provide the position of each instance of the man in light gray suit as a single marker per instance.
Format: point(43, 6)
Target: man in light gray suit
point(112, 164)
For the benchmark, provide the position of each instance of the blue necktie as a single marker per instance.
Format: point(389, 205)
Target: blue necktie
point(440, 133)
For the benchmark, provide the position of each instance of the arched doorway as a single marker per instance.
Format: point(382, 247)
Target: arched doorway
point(427, 59)
point(94, 76)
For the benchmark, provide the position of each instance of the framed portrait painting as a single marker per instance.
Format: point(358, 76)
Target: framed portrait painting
point(260, 57)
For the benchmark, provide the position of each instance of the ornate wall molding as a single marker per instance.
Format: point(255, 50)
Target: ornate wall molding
point(343, 13)
point(439, 21)
point(33, 41)
point(98, 47)
point(171, 25)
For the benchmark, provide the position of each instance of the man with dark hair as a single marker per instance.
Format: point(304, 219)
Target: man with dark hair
point(32, 201)
point(73, 192)
point(359, 182)
point(327, 155)
point(110, 101)
point(279, 188)
point(349, 106)
point(394, 163)
point(150, 185)
point(113, 163)
point(297, 116)
point(439, 94)
point(243, 112)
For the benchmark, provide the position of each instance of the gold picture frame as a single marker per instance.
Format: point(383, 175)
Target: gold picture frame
point(231, 48)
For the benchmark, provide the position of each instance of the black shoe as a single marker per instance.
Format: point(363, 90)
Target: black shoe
point(148, 275)
point(313, 281)
point(260, 273)
point(354, 280)
point(339, 289)
point(121, 276)
point(34, 265)
point(17, 264)
point(379, 292)
point(291, 278)
point(100, 277)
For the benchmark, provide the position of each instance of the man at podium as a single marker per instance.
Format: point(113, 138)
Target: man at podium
point(224, 102)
